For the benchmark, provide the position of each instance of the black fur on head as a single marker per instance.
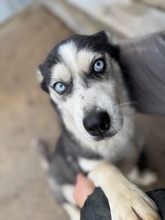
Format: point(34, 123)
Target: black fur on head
point(99, 42)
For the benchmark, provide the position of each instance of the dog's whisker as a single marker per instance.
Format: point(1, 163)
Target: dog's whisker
point(126, 103)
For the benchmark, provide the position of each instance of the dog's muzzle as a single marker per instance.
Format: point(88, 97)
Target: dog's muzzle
point(97, 124)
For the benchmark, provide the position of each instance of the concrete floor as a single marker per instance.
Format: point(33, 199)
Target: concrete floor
point(25, 114)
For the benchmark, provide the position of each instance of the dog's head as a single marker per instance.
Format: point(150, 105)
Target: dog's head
point(82, 76)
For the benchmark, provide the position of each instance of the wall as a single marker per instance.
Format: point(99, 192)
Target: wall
point(9, 8)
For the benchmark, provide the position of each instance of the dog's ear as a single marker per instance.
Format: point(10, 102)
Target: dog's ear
point(114, 48)
point(41, 78)
point(106, 37)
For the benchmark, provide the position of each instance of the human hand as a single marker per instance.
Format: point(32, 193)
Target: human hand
point(83, 188)
point(97, 205)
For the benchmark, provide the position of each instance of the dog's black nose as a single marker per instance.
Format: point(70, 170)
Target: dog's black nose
point(97, 124)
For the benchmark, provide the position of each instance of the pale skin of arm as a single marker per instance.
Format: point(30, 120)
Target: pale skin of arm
point(83, 188)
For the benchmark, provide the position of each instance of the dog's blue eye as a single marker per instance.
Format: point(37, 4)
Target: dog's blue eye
point(99, 65)
point(59, 87)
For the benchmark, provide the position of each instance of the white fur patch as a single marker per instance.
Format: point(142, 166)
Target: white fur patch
point(144, 178)
point(73, 212)
point(45, 164)
point(67, 191)
point(60, 73)
point(68, 53)
point(88, 164)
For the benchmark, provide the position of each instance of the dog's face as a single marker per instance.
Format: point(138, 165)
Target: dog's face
point(82, 77)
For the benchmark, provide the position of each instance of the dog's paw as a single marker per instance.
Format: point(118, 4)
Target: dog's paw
point(133, 204)
point(73, 212)
point(143, 178)
point(126, 200)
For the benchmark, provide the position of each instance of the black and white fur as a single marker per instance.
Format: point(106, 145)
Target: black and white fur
point(89, 95)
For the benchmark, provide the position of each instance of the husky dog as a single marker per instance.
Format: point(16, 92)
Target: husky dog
point(86, 86)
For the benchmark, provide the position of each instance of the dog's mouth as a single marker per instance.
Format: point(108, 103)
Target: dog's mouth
point(107, 137)
point(98, 125)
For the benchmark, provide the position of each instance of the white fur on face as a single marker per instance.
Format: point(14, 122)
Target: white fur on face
point(88, 164)
point(60, 73)
point(102, 95)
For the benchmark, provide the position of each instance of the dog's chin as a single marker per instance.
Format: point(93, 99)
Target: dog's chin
point(98, 139)
point(107, 137)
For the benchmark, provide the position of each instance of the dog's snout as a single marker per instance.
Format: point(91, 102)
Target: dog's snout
point(97, 124)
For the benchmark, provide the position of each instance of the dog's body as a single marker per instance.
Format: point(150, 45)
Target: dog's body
point(87, 89)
